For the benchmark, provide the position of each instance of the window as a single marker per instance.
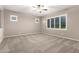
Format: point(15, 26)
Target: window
point(48, 23)
point(52, 22)
point(63, 22)
point(13, 18)
point(58, 22)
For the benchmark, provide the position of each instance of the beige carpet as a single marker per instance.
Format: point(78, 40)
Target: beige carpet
point(40, 43)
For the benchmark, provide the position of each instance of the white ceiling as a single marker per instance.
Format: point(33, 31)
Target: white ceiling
point(29, 9)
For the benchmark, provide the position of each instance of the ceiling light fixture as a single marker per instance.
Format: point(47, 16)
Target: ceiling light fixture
point(39, 8)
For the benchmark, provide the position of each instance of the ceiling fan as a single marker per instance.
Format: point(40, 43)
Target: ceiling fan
point(40, 8)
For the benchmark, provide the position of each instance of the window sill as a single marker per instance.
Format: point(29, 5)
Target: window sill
point(56, 29)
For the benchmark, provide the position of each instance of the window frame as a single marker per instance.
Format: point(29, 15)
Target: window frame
point(12, 19)
point(59, 22)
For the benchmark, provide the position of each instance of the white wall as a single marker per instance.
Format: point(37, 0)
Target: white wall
point(72, 20)
point(25, 24)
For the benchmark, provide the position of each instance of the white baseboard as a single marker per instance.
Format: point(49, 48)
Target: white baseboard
point(63, 37)
point(21, 35)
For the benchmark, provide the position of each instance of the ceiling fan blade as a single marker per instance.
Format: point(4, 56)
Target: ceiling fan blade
point(38, 5)
point(45, 9)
